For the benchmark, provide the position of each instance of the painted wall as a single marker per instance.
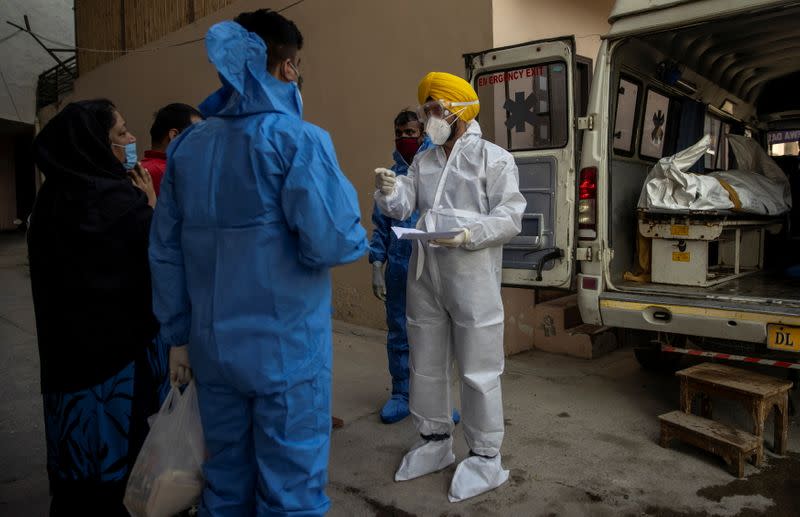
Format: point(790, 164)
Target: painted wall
point(21, 58)
point(518, 21)
point(361, 65)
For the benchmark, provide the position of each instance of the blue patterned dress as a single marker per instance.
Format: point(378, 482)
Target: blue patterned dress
point(94, 435)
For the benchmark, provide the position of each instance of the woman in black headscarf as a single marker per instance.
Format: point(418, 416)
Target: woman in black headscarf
point(101, 374)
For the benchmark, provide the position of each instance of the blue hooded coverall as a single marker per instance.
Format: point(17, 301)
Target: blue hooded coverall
point(254, 211)
point(387, 248)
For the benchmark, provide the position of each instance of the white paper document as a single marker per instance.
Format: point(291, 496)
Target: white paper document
point(419, 235)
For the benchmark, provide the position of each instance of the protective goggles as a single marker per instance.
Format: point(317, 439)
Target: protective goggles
point(441, 109)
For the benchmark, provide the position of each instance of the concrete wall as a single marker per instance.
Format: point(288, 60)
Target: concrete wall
point(361, 64)
point(21, 58)
point(518, 21)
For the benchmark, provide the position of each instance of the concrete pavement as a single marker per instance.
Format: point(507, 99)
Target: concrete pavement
point(581, 436)
point(23, 478)
point(581, 439)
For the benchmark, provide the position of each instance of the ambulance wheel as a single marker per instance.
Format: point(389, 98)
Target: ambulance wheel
point(647, 349)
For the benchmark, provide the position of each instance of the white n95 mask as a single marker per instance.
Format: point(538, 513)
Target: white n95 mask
point(438, 130)
point(436, 126)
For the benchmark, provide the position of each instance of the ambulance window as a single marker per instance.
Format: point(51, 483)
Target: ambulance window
point(718, 129)
point(525, 108)
point(625, 119)
point(654, 125)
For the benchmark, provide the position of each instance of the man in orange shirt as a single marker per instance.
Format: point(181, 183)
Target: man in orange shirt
point(169, 122)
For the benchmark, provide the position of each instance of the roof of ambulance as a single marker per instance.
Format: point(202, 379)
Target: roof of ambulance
point(747, 55)
point(631, 16)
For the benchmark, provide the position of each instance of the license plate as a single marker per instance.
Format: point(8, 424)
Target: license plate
point(781, 337)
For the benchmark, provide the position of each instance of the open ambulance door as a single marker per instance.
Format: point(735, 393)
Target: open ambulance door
point(528, 106)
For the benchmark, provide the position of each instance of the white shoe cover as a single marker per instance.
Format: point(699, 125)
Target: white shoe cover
point(476, 475)
point(426, 457)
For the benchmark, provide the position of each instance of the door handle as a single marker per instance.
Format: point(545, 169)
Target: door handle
point(662, 316)
point(554, 253)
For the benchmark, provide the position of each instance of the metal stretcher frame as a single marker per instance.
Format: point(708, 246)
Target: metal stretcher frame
point(700, 225)
point(693, 225)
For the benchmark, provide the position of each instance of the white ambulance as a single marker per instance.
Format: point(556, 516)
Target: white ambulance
point(667, 73)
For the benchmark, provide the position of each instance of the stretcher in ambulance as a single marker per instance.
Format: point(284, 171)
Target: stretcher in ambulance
point(712, 263)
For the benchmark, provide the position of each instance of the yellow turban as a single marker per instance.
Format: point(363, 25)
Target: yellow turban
point(449, 87)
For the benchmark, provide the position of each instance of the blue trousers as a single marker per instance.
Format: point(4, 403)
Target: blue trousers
point(397, 339)
point(267, 454)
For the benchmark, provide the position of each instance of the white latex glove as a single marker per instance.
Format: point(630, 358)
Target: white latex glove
point(180, 371)
point(455, 242)
point(385, 181)
point(378, 282)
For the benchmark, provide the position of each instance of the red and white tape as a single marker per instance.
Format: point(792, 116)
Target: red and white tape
point(730, 357)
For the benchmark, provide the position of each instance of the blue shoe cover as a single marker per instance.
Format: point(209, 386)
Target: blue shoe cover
point(395, 409)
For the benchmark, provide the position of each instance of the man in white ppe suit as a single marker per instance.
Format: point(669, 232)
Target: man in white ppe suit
point(454, 309)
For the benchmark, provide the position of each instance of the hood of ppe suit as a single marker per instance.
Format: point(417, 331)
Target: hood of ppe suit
point(400, 165)
point(449, 87)
point(247, 87)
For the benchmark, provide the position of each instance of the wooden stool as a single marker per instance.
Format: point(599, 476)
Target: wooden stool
point(732, 445)
point(759, 394)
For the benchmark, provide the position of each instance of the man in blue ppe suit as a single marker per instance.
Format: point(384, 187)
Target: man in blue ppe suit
point(253, 213)
point(389, 258)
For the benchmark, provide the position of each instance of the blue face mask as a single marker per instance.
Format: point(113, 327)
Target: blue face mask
point(130, 155)
point(298, 85)
point(298, 97)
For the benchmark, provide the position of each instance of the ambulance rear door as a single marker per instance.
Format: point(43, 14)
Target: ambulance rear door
point(528, 106)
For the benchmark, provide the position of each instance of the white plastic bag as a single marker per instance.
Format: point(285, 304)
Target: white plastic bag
point(167, 477)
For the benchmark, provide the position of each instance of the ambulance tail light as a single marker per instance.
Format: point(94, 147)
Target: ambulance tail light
point(587, 203)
